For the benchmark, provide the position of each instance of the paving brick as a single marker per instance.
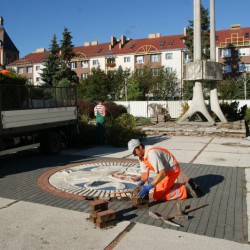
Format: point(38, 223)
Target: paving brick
point(223, 187)
point(106, 215)
point(92, 219)
point(105, 224)
point(98, 205)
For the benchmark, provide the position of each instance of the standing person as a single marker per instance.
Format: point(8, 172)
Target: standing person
point(100, 113)
point(167, 169)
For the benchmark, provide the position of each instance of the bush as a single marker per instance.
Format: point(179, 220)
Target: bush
point(120, 130)
point(86, 107)
point(232, 112)
point(247, 116)
point(115, 110)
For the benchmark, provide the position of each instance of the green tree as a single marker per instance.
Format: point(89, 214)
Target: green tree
point(134, 90)
point(52, 64)
point(205, 32)
point(95, 87)
point(66, 47)
point(118, 83)
point(232, 61)
point(166, 85)
point(227, 89)
point(65, 57)
point(243, 82)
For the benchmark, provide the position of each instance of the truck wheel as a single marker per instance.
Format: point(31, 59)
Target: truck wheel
point(51, 143)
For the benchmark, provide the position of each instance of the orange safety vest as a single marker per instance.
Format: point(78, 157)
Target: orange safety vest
point(167, 189)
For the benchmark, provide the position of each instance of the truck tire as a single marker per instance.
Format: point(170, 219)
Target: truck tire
point(51, 143)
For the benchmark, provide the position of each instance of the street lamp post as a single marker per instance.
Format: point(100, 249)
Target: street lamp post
point(245, 80)
point(126, 89)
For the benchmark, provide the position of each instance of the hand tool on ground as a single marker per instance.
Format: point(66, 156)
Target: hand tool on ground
point(164, 219)
point(183, 214)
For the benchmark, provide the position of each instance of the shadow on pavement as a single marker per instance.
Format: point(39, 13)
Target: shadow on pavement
point(31, 160)
point(206, 182)
point(154, 139)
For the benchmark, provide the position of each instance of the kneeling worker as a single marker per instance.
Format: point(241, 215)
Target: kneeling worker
point(164, 164)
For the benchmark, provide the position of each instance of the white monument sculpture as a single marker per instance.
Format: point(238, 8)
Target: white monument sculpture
point(200, 70)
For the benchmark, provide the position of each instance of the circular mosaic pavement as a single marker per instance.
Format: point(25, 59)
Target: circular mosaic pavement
point(94, 179)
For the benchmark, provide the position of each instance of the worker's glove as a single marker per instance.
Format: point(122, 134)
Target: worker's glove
point(140, 183)
point(145, 190)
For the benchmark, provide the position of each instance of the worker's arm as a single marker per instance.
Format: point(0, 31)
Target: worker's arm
point(159, 177)
point(104, 112)
point(146, 188)
point(144, 176)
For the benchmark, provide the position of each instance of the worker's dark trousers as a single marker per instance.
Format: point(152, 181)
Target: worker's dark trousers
point(100, 132)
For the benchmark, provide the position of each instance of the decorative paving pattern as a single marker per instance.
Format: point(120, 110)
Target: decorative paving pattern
point(97, 179)
point(26, 178)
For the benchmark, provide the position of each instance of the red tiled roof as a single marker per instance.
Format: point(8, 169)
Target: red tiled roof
point(225, 35)
point(131, 46)
point(32, 58)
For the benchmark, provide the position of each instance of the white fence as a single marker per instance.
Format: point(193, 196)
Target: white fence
point(147, 108)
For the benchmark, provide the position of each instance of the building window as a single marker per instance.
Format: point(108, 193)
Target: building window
point(244, 67)
point(139, 72)
point(20, 70)
point(154, 58)
point(85, 64)
point(227, 68)
point(37, 68)
point(247, 65)
point(84, 75)
point(127, 59)
point(244, 51)
point(169, 69)
point(30, 80)
point(139, 59)
point(73, 65)
point(155, 72)
point(169, 56)
point(225, 53)
point(29, 69)
point(95, 62)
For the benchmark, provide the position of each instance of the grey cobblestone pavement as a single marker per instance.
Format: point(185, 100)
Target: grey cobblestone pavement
point(224, 190)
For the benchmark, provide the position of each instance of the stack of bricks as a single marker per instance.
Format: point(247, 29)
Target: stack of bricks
point(100, 215)
point(139, 202)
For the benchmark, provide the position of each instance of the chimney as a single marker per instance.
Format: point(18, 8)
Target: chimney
point(155, 35)
point(113, 41)
point(235, 26)
point(94, 42)
point(40, 50)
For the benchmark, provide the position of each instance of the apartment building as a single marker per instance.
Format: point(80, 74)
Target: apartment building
point(8, 50)
point(155, 50)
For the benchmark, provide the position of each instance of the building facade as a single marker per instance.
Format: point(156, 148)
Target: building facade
point(8, 50)
point(155, 50)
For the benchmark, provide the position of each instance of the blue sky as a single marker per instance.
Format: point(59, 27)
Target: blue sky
point(31, 24)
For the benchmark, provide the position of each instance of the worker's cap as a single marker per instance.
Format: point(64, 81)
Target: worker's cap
point(132, 144)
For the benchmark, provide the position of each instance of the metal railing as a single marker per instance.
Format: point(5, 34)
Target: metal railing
point(17, 97)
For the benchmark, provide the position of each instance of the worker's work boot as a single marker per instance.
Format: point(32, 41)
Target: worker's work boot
point(195, 187)
point(190, 192)
point(193, 190)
